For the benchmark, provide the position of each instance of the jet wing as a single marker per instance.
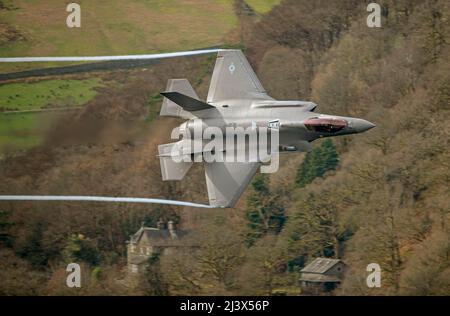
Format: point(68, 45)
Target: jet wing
point(234, 78)
point(226, 181)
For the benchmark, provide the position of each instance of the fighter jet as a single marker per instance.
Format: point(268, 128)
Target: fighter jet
point(236, 98)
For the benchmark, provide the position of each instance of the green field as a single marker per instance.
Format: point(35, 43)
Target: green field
point(38, 28)
point(114, 27)
point(108, 27)
point(47, 93)
point(262, 6)
point(24, 130)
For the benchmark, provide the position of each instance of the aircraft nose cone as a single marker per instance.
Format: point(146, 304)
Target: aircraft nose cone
point(361, 125)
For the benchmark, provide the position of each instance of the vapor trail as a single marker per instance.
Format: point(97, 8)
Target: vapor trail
point(106, 58)
point(97, 199)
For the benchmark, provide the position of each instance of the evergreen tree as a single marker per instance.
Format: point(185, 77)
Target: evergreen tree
point(264, 212)
point(330, 158)
point(80, 248)
point(317, 162)
point(32, 249)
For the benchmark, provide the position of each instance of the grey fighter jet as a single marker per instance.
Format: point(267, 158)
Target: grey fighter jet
point(236, 98)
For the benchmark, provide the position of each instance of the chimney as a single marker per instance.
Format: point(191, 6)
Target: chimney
point(172, 230)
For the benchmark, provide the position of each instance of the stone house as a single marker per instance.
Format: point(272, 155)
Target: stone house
point(149, 241)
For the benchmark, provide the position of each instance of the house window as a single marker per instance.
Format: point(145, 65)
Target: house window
point(134, 268)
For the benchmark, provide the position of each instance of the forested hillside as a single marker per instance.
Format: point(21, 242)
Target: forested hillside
point(379, 197)
point(387, 202)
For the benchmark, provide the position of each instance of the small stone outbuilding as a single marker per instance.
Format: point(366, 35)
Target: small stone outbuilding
point(322, 275)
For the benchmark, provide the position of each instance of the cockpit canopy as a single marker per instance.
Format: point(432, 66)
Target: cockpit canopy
point(325, 125)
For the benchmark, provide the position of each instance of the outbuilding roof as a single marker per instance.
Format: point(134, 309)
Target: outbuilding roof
point(320, 265)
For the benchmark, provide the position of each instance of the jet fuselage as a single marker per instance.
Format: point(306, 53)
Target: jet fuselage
point(295, 120)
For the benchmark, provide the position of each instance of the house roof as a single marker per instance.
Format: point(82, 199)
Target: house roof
point(158, 237)
point(320, 265)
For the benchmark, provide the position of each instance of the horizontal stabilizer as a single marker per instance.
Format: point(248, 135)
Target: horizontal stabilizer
point(170, 169)
point(186, 102)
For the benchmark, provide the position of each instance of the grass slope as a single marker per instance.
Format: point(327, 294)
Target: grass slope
point(25, 130)
point(115, 27)
point(262, 6)
point(48, 93)
point(22, 130)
